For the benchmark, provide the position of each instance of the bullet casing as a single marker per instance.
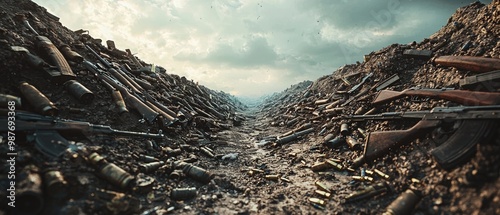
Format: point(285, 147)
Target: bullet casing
point(344, 129)
point(70, 54)
point(368, 192)
point(183, 193)
point(337, 141)
point(38, 100)
point(404, 204)
point(119, 102)
point(335, 164)
point(272, 177)
point(110, 171)
point(55, 184)
point(322, 186)
point(80, 92)
point(323, 193)
point(151, 166)
point(353, 143)
point(197, 173)
point(320, 166)
point(381, 174)
point(317, 201)
point(176, 175)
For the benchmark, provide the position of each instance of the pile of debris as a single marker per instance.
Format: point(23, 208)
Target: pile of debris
point(405, 122)
point(63, 97)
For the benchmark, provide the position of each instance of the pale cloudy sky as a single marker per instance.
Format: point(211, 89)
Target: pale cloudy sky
point(254, 47)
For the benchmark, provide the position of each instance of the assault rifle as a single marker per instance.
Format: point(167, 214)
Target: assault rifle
point(46, 131)
point(464, 97)
point(474, 124)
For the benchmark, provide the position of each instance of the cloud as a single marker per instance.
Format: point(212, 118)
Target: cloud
point(253, 53)
point(254, 47)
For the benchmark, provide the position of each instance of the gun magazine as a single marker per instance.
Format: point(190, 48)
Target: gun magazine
point(461, 145)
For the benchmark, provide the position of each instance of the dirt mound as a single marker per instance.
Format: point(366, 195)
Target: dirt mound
point(470, 188)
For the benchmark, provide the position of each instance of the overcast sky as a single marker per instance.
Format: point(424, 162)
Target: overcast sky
point(254, 47)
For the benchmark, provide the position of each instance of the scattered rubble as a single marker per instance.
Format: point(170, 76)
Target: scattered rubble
point(116, 135)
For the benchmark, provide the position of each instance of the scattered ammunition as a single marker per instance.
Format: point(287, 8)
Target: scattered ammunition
point(55, 184)
point(207, 151)
point(322, 186)
point(344, 129)
point(360, 110)
point(27, 192)
point(363, 172)
point(362, 132)
point(345, 81)
point(148, 158)
point(321, 101)
point(323, 193)
point(350, 169)
point(80, 92)
point(414, 180)
point(110, 171)
point(317, 201)
point(358, 178)
point(336, 160)
point(328, 138)
point(368, 192)
point(371, 111)
point(285, 179)
point(149, 167)
point(183, 193)
point(369, 172)
point(353, 143)
point(292, 122)
point(272, 177)
point(404, 204)
point(320, 166)
point(70, 54)
point(257, 170)
point(335, 142)
point(251, 172)
point(172, 152)
point(381, 174)
point(118, 203)
point(197, 173)
point(38, 100)
point(4, 99)
point(335, 164)
point(175, 175)
point(333, 110)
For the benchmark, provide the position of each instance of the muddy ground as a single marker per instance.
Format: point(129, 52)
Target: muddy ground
point(237, 144)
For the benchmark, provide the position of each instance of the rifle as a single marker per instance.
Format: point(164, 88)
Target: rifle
point(136, 88)
point(132, 101)
point(473, 64)
point(464, 97)
point(475, 124)
point(47, 130)
point(63, 72)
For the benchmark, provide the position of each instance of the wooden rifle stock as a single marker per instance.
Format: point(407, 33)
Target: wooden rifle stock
point(464, 97)
point(473, 64)
point(380, 142)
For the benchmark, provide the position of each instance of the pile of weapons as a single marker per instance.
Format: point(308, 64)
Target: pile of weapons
point(473, 122)
point(145, 90)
